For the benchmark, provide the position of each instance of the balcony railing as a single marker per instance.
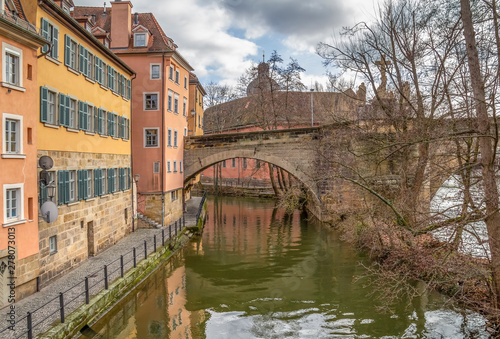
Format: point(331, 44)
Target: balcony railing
point(13, 18)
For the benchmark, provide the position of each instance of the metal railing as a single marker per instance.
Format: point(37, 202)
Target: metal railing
point(16, 20)
point(55, 310)
point(200, 208)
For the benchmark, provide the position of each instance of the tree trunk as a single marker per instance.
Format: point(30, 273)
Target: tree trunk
point(273, 180)
point(486, 145)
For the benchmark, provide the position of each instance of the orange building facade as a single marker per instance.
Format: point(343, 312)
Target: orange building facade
point(160, 95)
point(19, 41)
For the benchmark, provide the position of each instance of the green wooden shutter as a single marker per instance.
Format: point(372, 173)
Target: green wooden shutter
point(67, 50)
point(80, 115)
point(96, 120)
point(44, 94)
point(67, 109)
point(80, 58)
point(110, 181)
point(55, 43)
point(62, 103)
point(110, 126)
point(66, 186)
point(60, 187)
point(45, 33)
point(80, 185)
point(86, 62)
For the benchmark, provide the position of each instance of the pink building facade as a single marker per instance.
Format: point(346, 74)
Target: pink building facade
point(160, 96)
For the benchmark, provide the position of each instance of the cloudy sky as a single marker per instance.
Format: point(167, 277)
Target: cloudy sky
point(221, 38)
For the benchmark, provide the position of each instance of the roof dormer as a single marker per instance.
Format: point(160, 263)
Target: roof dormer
point(66, 5)
point(141, 36)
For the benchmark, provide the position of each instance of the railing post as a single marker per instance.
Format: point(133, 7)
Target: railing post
point(145, 250)
point(30, 329)
point(105, 276)
point(154, 242)
point(135, 261)
point(121, 265)
point(61, 306)
point(87, 294)
point(163, 237)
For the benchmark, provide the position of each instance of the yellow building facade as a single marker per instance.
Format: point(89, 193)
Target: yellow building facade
point(84, 127)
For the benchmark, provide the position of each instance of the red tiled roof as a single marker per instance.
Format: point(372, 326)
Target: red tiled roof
point(159, 41)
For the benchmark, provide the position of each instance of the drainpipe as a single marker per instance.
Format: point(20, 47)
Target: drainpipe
point(132, 158)
point(162, 139)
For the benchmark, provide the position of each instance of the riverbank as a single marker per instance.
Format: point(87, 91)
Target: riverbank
point(145, 242)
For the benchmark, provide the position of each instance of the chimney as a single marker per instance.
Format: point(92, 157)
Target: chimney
point(121, 23)
point(136, 19)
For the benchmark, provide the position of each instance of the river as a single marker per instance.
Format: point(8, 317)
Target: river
point(258, 273)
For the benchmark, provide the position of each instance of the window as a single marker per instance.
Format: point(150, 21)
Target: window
point(175, 166)
point(48, 109)
point(171, 73)
point(156, 167)
point(151, 137)
point(70, 52)
point(169, 137)
point(233, 162)
point(89, 184)
point(185, 82)
point(257, 164)
point(90, 118)
point(13, 202)
point(150, 101)
point(84, 184)
point(83, 60)
point(99, 70)
point(245, 163)
point(185, 131)
point(174, 195)
point(111, 180)
point(12, 65)
point(180, 166)
point(51, 33)
point(12, 134)
point(177, 77)
point(199, 121)
point(111, 124)
point(175, 138)
point(83, 113)
point(155, 71)
point(223, 163)
point(168, 166)
point(53, 244)
point(112, 81)
point(128, 90)
point(72, 114)
point(72, 186)
point(184, 107)
point(170, 99)
point(140, 40)
point(99, 182)
point(176, 104)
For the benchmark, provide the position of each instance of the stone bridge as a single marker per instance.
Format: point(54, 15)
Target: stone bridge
point(320, 157)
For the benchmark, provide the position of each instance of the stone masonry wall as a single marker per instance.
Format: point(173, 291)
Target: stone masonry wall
point(109, 216)
point(153, 207)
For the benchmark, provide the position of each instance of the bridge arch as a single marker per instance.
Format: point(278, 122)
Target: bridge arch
point(202, 163)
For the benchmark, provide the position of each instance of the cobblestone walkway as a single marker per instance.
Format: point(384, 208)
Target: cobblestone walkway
point(49, 313)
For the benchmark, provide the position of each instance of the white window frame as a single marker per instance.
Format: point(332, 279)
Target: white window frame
point(185, 131)
point(6, 48)
point(73, 112)
point(176, 134)
point(185, 82)
point(168, 167)
point(145, 144)
point(177, 76)
point(53, 244)
point(171, 73)
point(72, 186)
point(90, 117)
point(73, 54)
point(90, 183)
point(20, 138)
point(151, 71)
point(136, 35)
point(169, 137)
point(54, 119)
point(176, 103)
point(157, 101)
point(156, 167)
point(170, 102)
point(184, 106)
point(175, 166)
point(20, 216)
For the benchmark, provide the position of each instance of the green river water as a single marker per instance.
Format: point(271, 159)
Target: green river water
point(258, 273)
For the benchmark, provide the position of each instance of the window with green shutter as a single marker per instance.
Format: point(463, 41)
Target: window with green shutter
point(45, 33)
point(44, 94)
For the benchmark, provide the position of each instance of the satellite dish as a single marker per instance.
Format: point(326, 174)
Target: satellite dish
point(50, 212)
point(46, 162)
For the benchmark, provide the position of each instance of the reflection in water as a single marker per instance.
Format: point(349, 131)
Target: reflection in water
point(259, 273)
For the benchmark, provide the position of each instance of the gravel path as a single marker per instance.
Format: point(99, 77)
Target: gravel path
point(72, 283)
